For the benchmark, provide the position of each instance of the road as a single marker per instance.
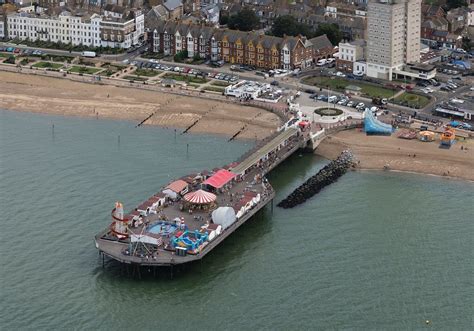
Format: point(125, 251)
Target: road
point(289, 83)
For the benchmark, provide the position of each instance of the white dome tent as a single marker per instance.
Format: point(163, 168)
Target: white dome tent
point(224, 216)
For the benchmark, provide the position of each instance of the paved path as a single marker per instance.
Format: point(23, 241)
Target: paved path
point(265, 150)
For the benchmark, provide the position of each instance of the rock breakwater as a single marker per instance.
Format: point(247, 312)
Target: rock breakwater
point(327, 175)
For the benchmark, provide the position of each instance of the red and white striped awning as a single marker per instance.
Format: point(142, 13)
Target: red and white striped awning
point(200, 197)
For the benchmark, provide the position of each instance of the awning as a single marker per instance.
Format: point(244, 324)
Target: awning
point(220, 178)
point(177, 186)
point(200, 197)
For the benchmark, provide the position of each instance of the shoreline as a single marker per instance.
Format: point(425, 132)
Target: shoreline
point(414, 173)
point(56, 96)
point(399, 155)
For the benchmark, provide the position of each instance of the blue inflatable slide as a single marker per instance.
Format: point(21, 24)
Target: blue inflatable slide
point(374, 126)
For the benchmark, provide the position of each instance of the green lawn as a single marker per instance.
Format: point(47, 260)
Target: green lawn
point(59, 58)
point(187, 79)
point(220, 83)
point(339, 84)
point(111, 69)
point(214, 89)
point(84, 70)
point(136, 78)
point(147, 72)
point(412, 100)
point(47, 65)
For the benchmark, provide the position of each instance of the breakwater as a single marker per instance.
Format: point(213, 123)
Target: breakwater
point(327, 175)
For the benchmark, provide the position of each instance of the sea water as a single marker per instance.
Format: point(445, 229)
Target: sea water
point(375, 250)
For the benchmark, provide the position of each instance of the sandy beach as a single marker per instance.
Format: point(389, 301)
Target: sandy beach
point(47, 95)
point(374, 152)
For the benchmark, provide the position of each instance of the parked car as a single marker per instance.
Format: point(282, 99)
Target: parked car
point(360, 106)
point(322, 62)
point(275, 83)
point(340, 74)
point(310, 91)
point(313, 96)
point(332, 99)
point(350, 104)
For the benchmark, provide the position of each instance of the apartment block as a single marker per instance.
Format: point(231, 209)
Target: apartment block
point(393, 36)
point(65, 28)
point(118, 29)
point(238, 47)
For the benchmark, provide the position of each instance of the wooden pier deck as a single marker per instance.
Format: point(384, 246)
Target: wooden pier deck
point(258, 163)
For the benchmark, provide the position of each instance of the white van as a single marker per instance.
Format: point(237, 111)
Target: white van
point(321, 62)
point(332, 99)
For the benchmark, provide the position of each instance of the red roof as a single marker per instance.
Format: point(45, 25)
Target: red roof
point(220, 178)
point(177, 186)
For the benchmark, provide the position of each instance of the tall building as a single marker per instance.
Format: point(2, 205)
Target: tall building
point(393, 36)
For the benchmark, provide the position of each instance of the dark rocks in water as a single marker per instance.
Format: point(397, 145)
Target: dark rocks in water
point(327, 175)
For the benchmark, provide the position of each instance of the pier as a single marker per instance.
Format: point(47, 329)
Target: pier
point(188, 229)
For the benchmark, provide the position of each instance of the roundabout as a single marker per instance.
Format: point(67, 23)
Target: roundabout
point(325, 111)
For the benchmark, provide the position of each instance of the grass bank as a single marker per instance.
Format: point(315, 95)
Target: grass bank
point(339, 84)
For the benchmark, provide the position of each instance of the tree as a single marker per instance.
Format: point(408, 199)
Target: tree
point(180, 56)
point(450, 4)
point(245, 20)
point(223, 19)
point(466, 44)
point(288, 25)
point(331, 30)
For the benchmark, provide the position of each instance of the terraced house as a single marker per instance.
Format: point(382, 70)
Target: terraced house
point(234, 46)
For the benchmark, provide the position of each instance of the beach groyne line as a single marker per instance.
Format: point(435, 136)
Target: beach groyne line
point(242, 129)
point(326, 176)
point(197, 121)
point(146, 119)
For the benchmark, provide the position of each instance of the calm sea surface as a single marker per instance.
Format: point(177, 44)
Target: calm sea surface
point(372, 251)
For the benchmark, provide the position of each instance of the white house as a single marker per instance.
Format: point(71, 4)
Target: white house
point(64, 28)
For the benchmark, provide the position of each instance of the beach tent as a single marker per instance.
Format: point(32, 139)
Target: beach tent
point(223, 216)
point(200, 197)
